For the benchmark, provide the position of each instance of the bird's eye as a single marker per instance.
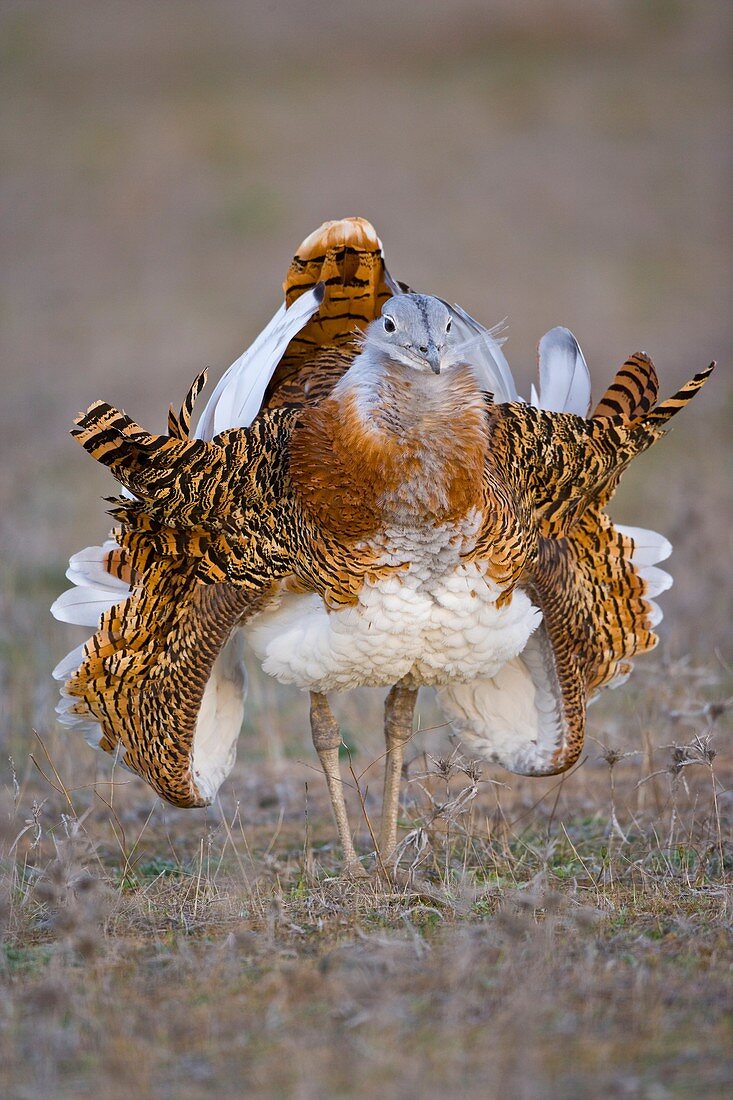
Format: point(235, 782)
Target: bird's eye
point(389, 325)
point(448, 326)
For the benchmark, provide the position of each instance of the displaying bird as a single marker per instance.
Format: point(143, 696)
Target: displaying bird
point(366, 500)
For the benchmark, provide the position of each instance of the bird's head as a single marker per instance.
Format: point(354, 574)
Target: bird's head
point(414, 330)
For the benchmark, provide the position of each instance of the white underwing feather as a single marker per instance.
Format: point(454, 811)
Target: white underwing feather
point(220, 719)
point(480, 347)
point(514, 718)
point(68, 664)
point(657, 580)
point(87, 569)
point(238, 395)
point(83, 606)
point(649, 546)
point(564, 377)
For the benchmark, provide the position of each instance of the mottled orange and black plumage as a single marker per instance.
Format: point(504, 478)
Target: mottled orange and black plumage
point(299, 501)
point(581, 572)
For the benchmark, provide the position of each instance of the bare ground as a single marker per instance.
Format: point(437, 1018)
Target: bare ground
point(554, 938)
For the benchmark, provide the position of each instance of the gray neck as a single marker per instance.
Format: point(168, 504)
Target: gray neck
point(392, 397)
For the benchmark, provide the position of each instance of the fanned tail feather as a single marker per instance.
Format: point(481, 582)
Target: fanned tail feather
point(346, 258)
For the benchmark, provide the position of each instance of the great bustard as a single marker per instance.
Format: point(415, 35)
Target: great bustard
point(368, 500)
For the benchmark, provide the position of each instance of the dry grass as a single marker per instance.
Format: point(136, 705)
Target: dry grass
point(559, 938)
point(556, 938)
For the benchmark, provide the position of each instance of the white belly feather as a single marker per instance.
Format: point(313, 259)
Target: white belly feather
point(436, 620)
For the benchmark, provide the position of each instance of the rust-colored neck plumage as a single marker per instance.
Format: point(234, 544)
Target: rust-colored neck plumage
point(391, 446)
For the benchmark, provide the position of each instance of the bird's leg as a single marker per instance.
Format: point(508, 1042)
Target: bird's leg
point(327, 740)
point(399, 708)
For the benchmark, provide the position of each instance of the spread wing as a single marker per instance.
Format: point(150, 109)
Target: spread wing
point(198, 551)
point(594, 582)
point(204, 532)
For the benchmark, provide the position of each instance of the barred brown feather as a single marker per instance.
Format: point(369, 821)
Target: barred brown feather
point(221, 529)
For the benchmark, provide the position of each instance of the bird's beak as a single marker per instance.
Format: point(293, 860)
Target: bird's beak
point(433, 358)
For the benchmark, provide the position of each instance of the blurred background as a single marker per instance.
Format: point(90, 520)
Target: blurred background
point(563, 163)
